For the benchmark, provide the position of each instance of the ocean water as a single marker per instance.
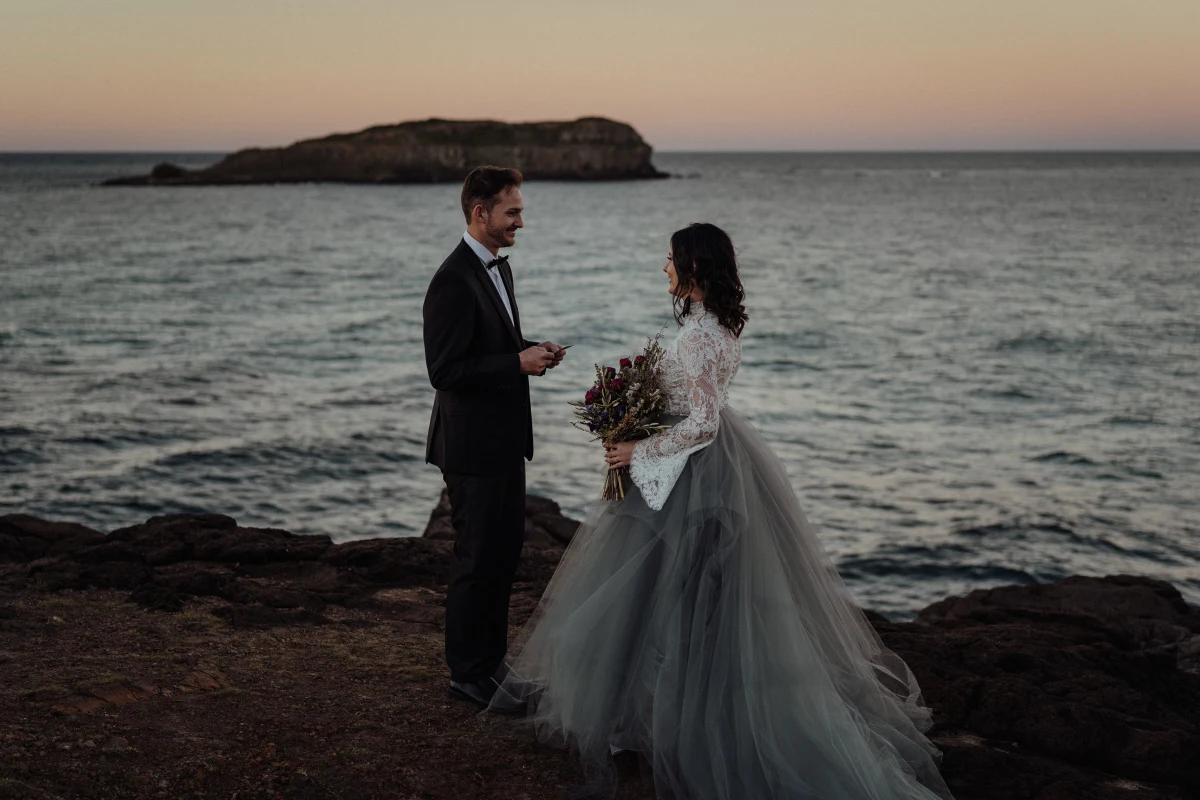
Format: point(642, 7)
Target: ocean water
point(979, 368)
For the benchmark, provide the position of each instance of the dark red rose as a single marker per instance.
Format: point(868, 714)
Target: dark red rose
point(639, 360)
point(591, 396)
point(626, 363)
point(610, 373)
point(618, 384)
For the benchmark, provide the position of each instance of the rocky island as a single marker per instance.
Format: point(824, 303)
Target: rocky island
point(190, 657)
point(435, 150)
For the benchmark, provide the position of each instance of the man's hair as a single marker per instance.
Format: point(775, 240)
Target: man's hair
point(484, 185)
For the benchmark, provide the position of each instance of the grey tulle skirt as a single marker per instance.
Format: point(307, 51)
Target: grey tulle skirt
point(716, 638)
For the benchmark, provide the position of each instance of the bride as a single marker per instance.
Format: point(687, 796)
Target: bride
point(699, 621)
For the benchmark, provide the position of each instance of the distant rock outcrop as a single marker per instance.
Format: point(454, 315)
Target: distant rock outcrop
point(431, 151)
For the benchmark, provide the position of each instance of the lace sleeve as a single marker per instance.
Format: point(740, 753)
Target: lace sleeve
point(658, 460)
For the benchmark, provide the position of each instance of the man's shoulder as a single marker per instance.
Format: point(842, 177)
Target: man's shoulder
point(459, 261)
point(453, 276)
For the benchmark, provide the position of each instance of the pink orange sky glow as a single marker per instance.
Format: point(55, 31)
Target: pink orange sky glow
point(218, 75)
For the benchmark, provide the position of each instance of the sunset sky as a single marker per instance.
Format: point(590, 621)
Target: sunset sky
point(697, 75)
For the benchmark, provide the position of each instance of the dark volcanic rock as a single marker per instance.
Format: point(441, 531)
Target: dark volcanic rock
point(167, 171)
point(169, 558)
point(24, 538)
point(545, 525)
point(435, 150)
point(158, 597)
point(1062, 689)
point(1082, 688)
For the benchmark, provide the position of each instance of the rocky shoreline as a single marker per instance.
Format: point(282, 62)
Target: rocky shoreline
point(190, 657)
point(430, 151)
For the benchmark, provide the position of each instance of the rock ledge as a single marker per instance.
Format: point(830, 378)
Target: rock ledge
point(1087, 687)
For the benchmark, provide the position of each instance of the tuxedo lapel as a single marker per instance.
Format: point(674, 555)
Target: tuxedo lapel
point(480, 272)
point(506, 275)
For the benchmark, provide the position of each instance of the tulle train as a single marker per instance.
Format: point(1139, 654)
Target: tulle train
point(716, 637)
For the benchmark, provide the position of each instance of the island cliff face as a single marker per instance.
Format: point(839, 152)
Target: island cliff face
point(435, 150)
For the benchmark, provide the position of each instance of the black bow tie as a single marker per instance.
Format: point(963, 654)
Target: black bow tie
point(495, 262)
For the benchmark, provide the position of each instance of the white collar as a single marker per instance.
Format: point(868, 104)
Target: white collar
point(697, 312)
point(484, 254)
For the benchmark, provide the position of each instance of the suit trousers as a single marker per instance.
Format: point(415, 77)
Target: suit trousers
point(488, 514)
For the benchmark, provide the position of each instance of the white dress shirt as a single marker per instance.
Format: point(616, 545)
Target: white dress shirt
point(486, 257)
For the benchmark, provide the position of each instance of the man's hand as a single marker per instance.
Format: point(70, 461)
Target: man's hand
point(559, 353)
point(537, 359)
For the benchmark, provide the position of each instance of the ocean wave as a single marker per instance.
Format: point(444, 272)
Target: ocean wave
point(1050, 533)
point(383, 399)
point(861, 568)
point(333, 460)
point(17, 459)
point(1008, 393)
point(763, 341)
point(1064, 457)
point(362, 325)
point(1018, 529)
point(785, 365)
point(15, 430)
point(1048, 342)
point(1133, 420)
point(838, 416)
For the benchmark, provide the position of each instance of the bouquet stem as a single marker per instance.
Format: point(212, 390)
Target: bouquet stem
point(614, 484)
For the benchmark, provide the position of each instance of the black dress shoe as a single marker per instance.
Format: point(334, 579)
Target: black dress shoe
point(505, 703)
point(478, 692)
point(517, 686)
point(487, 694)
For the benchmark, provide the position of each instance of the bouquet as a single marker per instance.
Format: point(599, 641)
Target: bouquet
point(624, 405)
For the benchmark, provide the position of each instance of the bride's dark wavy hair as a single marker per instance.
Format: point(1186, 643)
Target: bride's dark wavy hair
point(704, 258)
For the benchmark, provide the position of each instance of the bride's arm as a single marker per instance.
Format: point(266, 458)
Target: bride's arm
point(698, 358)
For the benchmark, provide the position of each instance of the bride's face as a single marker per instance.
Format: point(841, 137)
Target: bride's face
point(673, 287)
point(669, 268)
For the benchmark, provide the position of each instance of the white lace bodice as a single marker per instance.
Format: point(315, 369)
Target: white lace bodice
point(696, 370)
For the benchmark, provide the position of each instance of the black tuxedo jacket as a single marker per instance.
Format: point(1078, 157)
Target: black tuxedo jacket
point(481, 421)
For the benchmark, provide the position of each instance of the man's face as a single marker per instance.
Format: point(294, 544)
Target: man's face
point(504, 219)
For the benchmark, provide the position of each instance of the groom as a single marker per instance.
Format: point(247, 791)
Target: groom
point(481, 431)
